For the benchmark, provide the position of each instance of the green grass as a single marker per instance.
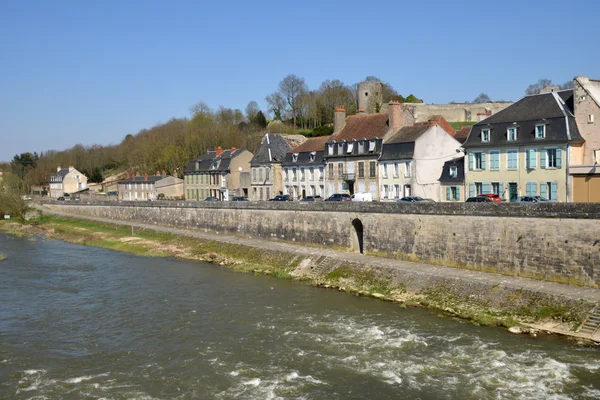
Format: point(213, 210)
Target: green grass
point(456, 125)
point(2, 257)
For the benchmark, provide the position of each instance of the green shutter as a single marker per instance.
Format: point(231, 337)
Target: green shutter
point(543, 158)
point(457, 193)
point(471, 161)
point(471, 189)
point(483, 159)
point(558, 158)
point(448, 193)
point(501, 190)
point(543, 190)
point(554, 188)
point(531, 159)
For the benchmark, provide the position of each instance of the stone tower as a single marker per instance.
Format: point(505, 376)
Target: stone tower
point(370, 96)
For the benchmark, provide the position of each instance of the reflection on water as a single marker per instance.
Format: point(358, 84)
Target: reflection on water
point(82, 322)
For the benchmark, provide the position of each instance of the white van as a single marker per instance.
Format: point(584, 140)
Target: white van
point(362, 197)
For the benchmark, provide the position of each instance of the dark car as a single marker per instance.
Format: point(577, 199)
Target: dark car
point(239, 198)
point(492, 196)
point(339, 197)
point(281, 197)
point(312, 198)
point(211, 199)
point(479, 200)
point(413, 199)
point(61, 198)
point(75, 199)
point(532, 199)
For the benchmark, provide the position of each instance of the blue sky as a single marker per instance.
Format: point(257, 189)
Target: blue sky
point(92, 72)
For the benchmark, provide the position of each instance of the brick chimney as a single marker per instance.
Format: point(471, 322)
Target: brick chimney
point(233, 149)
point(339, 119)
point(145, 177)
point(58, 168)
point(396, 115)
point(361, 110)
point(164, 172)
point(71, 168)
point(219, 151)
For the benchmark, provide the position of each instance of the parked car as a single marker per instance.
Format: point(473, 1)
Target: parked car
point(211, 199)
point(66, 195)
point(61, 198)
point(281, 197)
point(75, 199)
point(25, 197)
point(339, 197)
point(312, 198)
point(479, 199)
point(362, 197)
point(532, 199)
point(413, 199)
point(239, 198)
point(492, 196)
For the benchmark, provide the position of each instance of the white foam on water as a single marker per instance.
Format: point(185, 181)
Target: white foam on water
point(391, 378)
point(252, 382)
point(34, 371)
point(234, 373)
point(291, 377)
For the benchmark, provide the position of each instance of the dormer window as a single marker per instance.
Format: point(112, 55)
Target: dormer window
point(511, 134)
point(485, 135)
point(371, 145)
point(350, 148)
point(540, 131)
point(330, 149)
point(453, 172)
point(361, 147)
point(312, 156)
point(295, 157)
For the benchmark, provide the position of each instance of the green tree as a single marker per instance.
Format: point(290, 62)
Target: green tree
point(412, 99)
point(12, 190)
point(20, 164)
point(260, 120)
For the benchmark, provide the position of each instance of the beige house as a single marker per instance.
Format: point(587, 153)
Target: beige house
point(67, 180)
point(412, 160)
point(154, 187)
point(266, 177)
point(304, 169)
point(352, 152)
point(524, 150)
point(219, 174)
point(452, 180)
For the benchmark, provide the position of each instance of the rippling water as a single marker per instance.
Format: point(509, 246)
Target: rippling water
point(82, 322)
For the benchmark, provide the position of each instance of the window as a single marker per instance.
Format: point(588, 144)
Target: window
point(551, 158)
point(372, 167)
point(591, 119)
point(340, 170)
point(479, 160)
point(311, 174)
point(511, 134)
point(260, 176)
point(396, 191)
point(485, 135)
point(302, 176)
point(531, 158)
point(385, 191)
point(340, 149)
point(396, 169)
point(312, 157)
point(295, 157)
point(453, 193)
point(531, 189)
point(361, 147)
point(496, 188)
point(453, 172)
point(540, 131)
point(330, 149)
point(512, 161)
point(494, 160)
point(407, 167)
point(349, 148)
point(330, 171)
point(361, 169)
point(371, 145)
point(478, 188)
point(293, 174)
point(384, 171)
point(596, 156)
point(549, 190)
point(254, 174)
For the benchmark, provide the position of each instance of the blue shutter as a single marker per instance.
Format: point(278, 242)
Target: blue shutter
point(483, 158)
point(448, 191)
point(531, 159)
point(471, 161)
point(543, 158)
point(543, 190)
point(457, 193)
point(558, 158)
point(496, 162)
point(485, 188)
point(554, 188)
point(471, 189)
point(501, 190)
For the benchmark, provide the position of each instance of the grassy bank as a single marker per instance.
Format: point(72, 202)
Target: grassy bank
point(491, 306)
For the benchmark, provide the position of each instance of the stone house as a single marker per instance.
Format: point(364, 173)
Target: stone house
point(525, 149)
point(219, 173)
point(411, 161)
point(352, 152)
point(266, 176)
point(153, 187)
point(585, 159)
point(67, 180)
point(304, 169)
point(452, 180)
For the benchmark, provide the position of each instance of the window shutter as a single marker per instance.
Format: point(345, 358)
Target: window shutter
point(554, 189)
point(558, 158)
point(471, 189)
point(457, 193)
point(471, 161)
point(543, 158)
point(448, 192)
point(501, 189)
point(543, 189)
point(485, 188)
point(483, 159)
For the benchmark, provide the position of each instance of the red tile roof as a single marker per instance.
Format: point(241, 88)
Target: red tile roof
point(312, 144)
point(441, 122)
point(366, 126)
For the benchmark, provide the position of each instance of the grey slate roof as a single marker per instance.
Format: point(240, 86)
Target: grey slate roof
point(459, 163)
point(525, 114)
point(142, 179)
point(210, 162)
point(60, 175)
point(397, 151)
point(408, 134)
point(313, 146)
point(278, 144)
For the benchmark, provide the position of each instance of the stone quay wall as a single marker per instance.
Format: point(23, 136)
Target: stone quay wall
point(556, 242)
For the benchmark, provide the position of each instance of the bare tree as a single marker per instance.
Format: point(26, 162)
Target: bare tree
point(568, 85)
point(251, 110)
point(276, 104)
point(482, 98)
point(535, 88)
point(292, 88)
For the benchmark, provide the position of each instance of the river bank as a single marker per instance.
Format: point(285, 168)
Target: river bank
point(484, 301)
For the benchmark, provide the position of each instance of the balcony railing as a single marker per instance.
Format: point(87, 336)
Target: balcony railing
point(350, 177)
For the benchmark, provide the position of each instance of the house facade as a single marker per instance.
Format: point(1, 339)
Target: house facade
point(411, 161)
point(67, 180)
point(524, 150)
point(153, 187)
point(266, 165)
point(353, 151)
point(218, 174)
point(304, 169)
point(452, 181)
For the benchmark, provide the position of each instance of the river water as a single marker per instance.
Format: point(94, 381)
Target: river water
point(83, 322)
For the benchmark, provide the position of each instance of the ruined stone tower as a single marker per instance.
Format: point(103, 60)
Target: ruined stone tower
point(370, 96)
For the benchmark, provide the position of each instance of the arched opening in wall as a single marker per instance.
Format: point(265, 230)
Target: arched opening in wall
point(357, 239)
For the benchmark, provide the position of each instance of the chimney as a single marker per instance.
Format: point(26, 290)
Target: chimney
point(233, 149)
point(339, 119)
point(395, 115)
point(164, 172)
point(219, 151)
point(361, 110)
point(157, 172)
point(58, 168)
point(175, 173)
point(71, 168)
point(145, 177)
point(137, 173)
point(127, 175)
